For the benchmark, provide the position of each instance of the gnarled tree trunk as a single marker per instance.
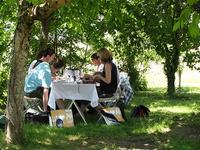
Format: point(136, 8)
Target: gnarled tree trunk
point(44, 34)
point(14, 110)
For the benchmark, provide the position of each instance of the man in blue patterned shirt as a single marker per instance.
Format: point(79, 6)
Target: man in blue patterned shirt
point(38, 81)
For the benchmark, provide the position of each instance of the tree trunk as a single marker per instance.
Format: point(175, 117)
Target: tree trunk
point(45, 34)
point(170, 83)
point(172, 58)
point(170, 68)
point(14, 110)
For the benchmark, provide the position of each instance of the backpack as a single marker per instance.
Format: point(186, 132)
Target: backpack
point(41, 118)
point(37, 63)
point(140, 111)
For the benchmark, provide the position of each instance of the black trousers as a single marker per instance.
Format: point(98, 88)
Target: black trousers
point(36, 93)
point(39, 94)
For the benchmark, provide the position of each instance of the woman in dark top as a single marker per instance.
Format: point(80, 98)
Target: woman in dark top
point(108, 78)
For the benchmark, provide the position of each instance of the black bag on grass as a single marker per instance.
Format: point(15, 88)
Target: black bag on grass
point(42, 118)
point(2, 121)
point(140, 111)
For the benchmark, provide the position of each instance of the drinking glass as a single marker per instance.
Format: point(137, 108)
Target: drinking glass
point(77, 75)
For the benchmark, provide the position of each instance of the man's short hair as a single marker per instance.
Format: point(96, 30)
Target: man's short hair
point(48, 51)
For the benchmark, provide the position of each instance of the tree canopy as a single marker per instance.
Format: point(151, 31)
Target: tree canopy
point(136, 32)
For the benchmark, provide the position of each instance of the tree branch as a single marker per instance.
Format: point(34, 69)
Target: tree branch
point(43, 11)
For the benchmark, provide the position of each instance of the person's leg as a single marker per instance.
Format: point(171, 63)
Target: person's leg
point(60, 104)
point(82, 104)
point(99, 108)
point(36, 93)
point(31, 101)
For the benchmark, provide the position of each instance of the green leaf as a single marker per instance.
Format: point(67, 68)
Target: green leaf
point(36, 2)
point(191, 2)
point(177, 25)
point(194, 30)
point(181, 23)
point(196, 18)
point(185, 14)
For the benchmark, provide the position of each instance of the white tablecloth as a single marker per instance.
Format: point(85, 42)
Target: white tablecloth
point(73, 91)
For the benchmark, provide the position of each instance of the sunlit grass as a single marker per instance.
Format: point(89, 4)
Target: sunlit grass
point(73, 137)
point(170, 120)
point(162, 127)
point(175, 109)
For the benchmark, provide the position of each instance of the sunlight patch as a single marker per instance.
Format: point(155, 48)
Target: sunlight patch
point(158, 128)
point(85, 143)
point(174, 109)
point(47, 142)
point(74, 137)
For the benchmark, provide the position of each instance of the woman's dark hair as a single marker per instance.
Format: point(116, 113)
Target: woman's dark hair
point(58, 64)
point(94, 56)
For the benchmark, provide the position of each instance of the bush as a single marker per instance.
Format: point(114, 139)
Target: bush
point(138, 82)
point(3, 88)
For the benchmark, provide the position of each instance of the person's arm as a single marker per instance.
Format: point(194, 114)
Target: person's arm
point(46, 82)
point(45, 98)
point(85, 76)
point(107, 78)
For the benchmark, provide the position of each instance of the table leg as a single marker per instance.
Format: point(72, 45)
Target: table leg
point(80, 112)
point(70, 106)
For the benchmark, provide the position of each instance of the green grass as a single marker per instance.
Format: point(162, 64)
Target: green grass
point(174, 123)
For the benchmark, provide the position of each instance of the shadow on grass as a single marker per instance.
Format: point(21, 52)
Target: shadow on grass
point(173, 124)
point(160, 130)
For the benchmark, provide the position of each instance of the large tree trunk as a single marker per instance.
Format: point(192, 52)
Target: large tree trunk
point(16, 82)
point(14, 109)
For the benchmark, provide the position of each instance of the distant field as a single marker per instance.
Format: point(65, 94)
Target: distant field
point(156, 77)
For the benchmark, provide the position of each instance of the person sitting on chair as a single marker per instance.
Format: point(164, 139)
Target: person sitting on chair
point(55, 67)
point(38, 81)
point(99, 68)
point(108, 78)
point(96, 61)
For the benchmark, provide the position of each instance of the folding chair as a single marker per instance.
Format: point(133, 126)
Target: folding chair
point(112, 101)
point(122, 96)
point(32, 105)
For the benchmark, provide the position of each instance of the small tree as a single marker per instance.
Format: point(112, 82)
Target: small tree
point(159, 18)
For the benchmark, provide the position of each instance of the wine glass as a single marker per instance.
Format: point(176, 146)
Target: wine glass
point(77, 75)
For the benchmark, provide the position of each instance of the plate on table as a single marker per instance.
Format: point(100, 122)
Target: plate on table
point(87, 81)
